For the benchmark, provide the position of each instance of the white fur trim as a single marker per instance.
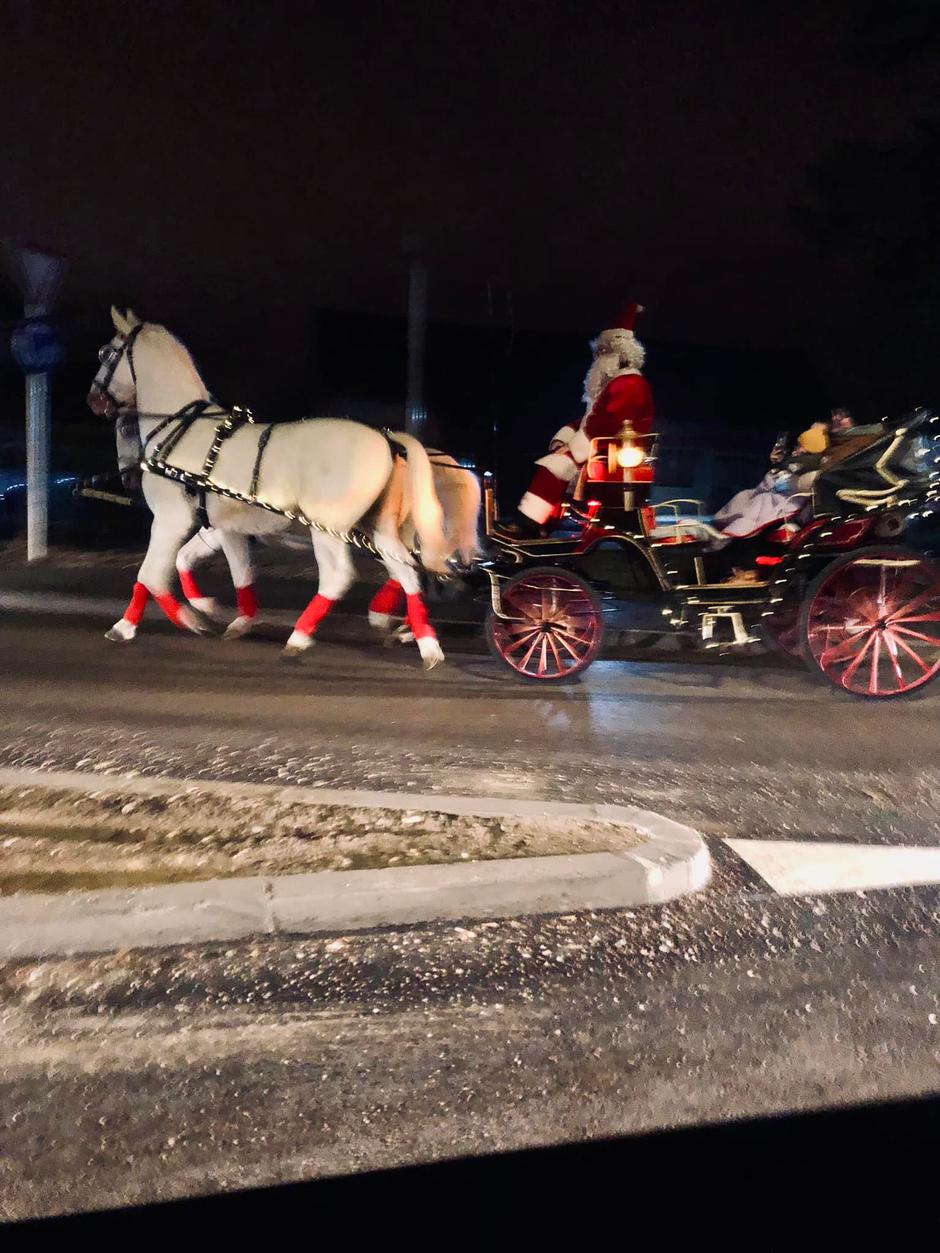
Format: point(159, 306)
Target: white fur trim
point(580, 447)
point(536, 508)
point(559, 464)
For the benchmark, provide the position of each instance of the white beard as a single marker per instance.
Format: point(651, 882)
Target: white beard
point(603, 369)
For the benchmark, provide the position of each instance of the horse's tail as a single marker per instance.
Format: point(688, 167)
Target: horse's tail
point(460, 494)
point(426, 512)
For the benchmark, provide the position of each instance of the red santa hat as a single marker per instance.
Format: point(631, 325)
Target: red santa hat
point(620, 338)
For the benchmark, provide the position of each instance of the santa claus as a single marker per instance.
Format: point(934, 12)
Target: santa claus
point(617, 395)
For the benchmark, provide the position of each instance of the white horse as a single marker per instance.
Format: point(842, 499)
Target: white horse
point(458, 490)
point(331, 471)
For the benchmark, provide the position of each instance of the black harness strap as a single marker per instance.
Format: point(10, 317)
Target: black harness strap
point(184, 418)
point(398, 449)
point(256, 472)
point(225, 430)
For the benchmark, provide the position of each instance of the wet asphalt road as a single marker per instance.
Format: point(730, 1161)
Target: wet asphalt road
point(143, 1075)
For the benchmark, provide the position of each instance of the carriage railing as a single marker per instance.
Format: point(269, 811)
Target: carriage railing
point(680, 525)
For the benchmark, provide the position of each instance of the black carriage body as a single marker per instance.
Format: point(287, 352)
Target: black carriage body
point(880, 504)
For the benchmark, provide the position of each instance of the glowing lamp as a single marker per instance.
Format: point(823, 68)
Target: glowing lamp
point(630, 456)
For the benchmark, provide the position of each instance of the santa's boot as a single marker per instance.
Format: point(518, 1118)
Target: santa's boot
point(520, 527)
point(538, 508)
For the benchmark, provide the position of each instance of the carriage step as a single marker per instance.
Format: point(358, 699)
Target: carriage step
point(741, 635)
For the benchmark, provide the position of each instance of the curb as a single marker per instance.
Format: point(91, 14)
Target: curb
point(672, 861)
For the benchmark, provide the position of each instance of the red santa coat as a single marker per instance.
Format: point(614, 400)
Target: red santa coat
point(626, 398)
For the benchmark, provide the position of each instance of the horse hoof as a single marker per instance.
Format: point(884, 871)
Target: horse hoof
point(294, 650)
point(431, 653)
point(192, 620)
point(120, 633)
point(209, 609)
point(238, 628)
point(292, 656)
point(381, 621)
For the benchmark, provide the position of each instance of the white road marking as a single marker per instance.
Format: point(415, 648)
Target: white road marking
point(798, 867)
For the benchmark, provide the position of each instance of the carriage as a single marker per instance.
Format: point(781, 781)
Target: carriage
point(850, 586)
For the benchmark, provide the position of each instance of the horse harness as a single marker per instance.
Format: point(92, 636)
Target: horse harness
point(200, 484)
point(172, 428)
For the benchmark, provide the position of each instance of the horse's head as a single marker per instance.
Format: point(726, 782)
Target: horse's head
point(143, 367)
point(114, 387)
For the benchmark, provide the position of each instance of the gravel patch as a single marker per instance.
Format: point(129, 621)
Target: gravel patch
point(54, 841)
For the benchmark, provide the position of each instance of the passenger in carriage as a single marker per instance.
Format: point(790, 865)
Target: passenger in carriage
point(782, 497)
point(781, 492)
point(784, 492)
point(847, 437)
point(616, 394)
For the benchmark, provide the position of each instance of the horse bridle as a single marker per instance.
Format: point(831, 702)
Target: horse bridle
point(110, 357)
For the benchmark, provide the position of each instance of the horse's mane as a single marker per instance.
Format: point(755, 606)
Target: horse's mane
point(165, 341)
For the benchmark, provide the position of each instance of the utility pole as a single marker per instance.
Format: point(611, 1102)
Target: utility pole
point(416, 413)
point(37, 349)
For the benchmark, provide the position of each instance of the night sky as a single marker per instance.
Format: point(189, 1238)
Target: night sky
point(230, 160)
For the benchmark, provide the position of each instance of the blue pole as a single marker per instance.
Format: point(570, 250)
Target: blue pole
point(38, 425)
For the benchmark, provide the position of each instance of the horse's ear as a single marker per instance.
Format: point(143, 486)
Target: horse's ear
point(121, 324)
point(132, 318)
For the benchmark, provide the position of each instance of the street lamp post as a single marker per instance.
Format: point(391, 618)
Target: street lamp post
point(415, 411)
point(37, 349)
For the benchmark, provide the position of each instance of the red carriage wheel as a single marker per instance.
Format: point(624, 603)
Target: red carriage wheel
point(552, 627)
point(871, 622)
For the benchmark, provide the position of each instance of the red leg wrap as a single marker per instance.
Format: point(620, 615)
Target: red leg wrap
point(314, 614)
point(171, 607)
point(388, 599)
point(247, 601)
point(190, 586)
point(135, 610)
point(418, 618)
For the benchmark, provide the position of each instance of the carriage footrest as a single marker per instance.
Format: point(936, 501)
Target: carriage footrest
point(711, 619)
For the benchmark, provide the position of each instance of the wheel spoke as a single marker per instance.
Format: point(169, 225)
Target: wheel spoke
point(573, 635)
point(543, 655)
point(916, 635)
point(559, 663)
point(522, 640)
point(875, 659)
point(564, 643)
point(532, 647)
point(892, 647)
point(850, 670)
point(916, 657)
point(912, 606)
point(841, 651)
